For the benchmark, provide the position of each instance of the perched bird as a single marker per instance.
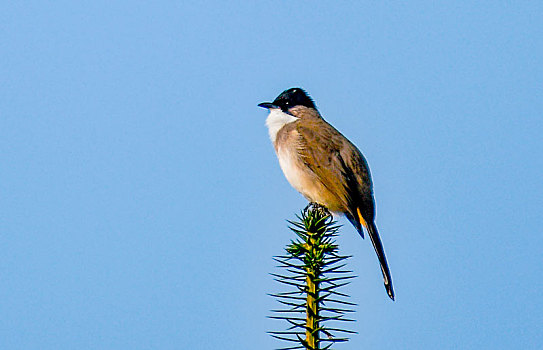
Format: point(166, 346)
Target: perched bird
point(325, 167)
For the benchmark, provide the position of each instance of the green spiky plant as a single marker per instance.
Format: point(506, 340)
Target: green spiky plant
point(314, 309)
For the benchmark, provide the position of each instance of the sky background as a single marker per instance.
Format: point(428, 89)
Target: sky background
point(141, 201)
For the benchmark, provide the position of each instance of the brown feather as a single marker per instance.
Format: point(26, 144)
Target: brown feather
point(333, 159)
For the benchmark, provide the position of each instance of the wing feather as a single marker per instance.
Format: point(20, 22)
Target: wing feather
point(338, 165)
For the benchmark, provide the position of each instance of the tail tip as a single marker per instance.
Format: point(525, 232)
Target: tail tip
point(390, 292)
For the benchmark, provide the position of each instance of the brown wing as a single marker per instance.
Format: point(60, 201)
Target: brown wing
point(359, 178)
point(339, 165)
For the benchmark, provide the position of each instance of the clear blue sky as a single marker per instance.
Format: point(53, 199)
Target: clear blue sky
point(141, 202)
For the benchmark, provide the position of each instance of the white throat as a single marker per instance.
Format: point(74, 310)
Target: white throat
point(276, 120)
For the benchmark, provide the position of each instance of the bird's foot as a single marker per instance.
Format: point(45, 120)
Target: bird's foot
point(314, 206)
point(309, 205)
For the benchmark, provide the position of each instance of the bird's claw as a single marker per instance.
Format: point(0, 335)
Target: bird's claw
point(317, 207)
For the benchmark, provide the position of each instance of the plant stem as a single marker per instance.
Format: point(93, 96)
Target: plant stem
point(312, 311)
point(312, 265)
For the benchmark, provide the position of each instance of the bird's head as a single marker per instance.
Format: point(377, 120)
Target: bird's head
point(290, 98)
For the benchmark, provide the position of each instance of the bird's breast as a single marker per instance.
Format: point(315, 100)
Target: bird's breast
point(294, 170)
point(303, 179)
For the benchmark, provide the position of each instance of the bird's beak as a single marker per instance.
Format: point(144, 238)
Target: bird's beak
point(267, 105)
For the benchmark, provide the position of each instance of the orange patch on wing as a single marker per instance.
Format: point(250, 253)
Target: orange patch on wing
point(360, 218)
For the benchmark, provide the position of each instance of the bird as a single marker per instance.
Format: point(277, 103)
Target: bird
point(324, 166)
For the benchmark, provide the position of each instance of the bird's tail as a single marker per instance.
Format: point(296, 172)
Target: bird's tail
point(378, 246)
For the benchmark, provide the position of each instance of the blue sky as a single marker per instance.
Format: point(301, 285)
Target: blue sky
point(141, 202)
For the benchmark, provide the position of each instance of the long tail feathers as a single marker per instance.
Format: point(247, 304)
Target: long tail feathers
point(378, 246)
